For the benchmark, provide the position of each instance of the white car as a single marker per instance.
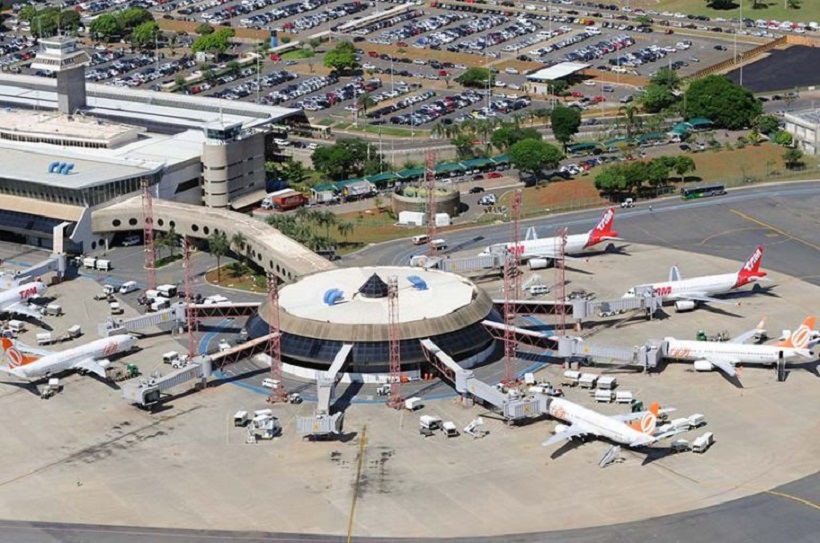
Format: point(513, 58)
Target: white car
point(511, 70)
point(131, 240)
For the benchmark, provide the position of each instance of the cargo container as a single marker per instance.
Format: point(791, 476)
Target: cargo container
point(701, 444)
point(623, 396)
point(607, 383)
point(604, 396)
point(697, 420)
point(103, 265)
point(571, 378)
point(413, 403)
point(587, 380)
point(89, 262)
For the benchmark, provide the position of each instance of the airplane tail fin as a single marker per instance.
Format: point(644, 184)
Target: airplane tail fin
point(13, 356)
point(674, 274)
point(603, 230)
point(648, 422)
point(750, 272)
point(802, 337)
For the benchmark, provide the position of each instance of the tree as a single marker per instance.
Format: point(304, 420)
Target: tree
point(657, 98)
point(793, 158)
point(666, 78)
point(342, 58)
point(218, 246)
point(133, 17)
point(565, 122)
point(168, 240)
point(294, 172)
point(783, 138)
point(657, 173)
point(216, 43)
point(476, 77)
point(345, 228)
point(635, 173)
point(68, 19)
point(232, 66)
point(684, 165)
point(144, 34)
point(204, 29)
point(506, 136)
point(349, 156)
point(105, 27)
point(309, 54)
point(534, 156)
point(364, 101)
point(611, 180)
point(766, 124)
point(27, 13)
point(179, 81)
point(723, 102)
point(314, 44)
point(628, 112)
point(794, 4)
point(464, 145)
point(239, 244)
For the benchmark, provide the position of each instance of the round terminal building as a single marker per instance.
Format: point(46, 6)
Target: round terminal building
point(322, 312)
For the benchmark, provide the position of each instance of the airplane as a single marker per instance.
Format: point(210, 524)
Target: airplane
point(725, 356)
point(15, 300)
point(32, 364)
point(551, 247)
point(632, 429)
point(687, 292)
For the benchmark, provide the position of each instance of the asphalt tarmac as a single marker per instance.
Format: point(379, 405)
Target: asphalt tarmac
point(783, 218)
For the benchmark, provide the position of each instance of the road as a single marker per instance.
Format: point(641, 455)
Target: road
point(783, 217)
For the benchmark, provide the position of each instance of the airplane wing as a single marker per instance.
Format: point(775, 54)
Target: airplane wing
point(724, 363)
point(758, 331)
point(92, 366)
point(698, 297)
point(671, 433)
point(569, 433)
point(25, 310)
point(28, 349)
point(629, 417)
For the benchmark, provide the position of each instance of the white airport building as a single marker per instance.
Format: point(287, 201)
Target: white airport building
point(71, 148)
point(804, 126)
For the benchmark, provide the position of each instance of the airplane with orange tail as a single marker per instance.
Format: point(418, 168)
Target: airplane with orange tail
point(31, 364)
point(631, 429)
point(726, 355)
point(551, 247)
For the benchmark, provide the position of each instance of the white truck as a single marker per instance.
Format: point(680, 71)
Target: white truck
point(128, 286)
point(430, 422)
point(702, 443)
point(449, 428)
point(411, 404)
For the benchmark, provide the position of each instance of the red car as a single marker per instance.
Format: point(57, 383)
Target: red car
point(372, 54)
point(577, 94)
point(599, 99)
point(274, 57)
point(493, 175)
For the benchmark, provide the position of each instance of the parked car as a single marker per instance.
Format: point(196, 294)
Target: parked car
point(493, 175)
point(476, 190)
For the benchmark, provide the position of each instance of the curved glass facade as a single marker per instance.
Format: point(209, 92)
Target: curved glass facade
point(373, 357)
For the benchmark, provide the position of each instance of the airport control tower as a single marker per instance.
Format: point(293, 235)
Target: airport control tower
point(62, 55)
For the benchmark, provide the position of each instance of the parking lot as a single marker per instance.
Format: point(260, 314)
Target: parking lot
point(405, 58)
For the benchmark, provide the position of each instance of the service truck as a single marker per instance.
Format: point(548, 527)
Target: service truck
point(284, 200)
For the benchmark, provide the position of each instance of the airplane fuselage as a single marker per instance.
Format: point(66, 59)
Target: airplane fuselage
point(20, 294)
point(597, 423)
point(708, 285)
point(681, 349)
point(57, 362)
point(542, 248)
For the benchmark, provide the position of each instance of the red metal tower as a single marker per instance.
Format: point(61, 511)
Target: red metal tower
point(190, 312)
point(278, 393)
point(394, 400)
point(512, 289)
point(148, 234)
point(430, 182)
point(560, 289)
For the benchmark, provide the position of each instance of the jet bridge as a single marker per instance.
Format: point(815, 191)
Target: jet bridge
point(322, 423)
point(647, 355)
point(512, 409)
point(176, 314)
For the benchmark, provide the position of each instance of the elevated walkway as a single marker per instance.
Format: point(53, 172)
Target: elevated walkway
point(175, 314)
point(266, 246)
point(326, 384)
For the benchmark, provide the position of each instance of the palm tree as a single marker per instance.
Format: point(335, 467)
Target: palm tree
point(628, 112)
point(345, 228)
point(239, 242)
point(326, 219)
point(439, 130)
point(218, 246)
point(365, 101)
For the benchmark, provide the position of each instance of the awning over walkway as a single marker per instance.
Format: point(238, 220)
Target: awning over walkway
point(248, 199)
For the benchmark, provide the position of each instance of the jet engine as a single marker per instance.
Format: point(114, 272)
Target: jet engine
point(703, 365)
point(684, 305)
point(538, 263)
point(561, 428)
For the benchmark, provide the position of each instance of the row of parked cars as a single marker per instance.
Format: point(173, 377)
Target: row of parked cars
point(282, 12)
point(521, 27)
point(297, 90)
point(436, 109)
point(416, 27)
point(598, 50)
point(331, 14)
point(347, 91)
point(388, 23)
point(402, 104)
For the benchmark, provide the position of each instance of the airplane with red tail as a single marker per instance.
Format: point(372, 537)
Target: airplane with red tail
point(550, 248)
point(686, 293)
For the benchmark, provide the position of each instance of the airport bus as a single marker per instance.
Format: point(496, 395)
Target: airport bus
point(703, 191)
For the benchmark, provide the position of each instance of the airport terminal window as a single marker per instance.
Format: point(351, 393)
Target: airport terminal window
point(206, 230)
point(116, 223)
point(132, 222)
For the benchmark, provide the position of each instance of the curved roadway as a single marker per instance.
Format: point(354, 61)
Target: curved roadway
point(783, 217)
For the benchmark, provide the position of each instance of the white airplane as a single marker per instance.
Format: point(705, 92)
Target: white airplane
point(687, 292)
point(31, 364)
point(551, 247)
point(15, 300)
point(632, 429)
point(725, 356)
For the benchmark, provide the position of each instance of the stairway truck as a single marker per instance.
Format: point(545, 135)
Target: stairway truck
point(681, 306)
point(538, 263)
